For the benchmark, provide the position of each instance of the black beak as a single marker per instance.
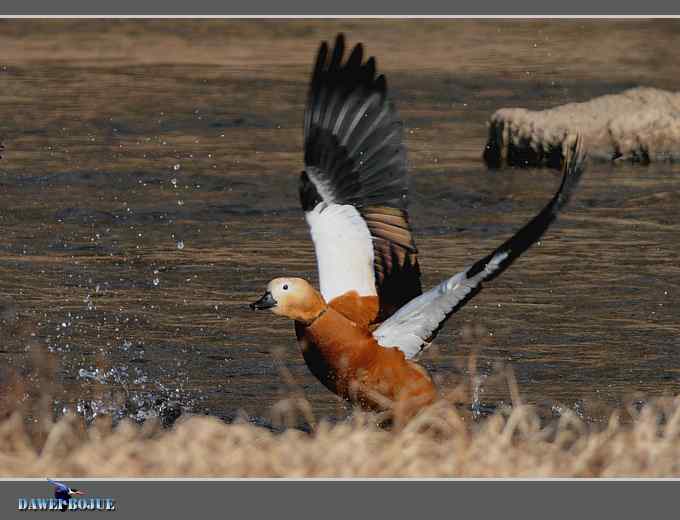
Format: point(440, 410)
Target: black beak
point(266, 302)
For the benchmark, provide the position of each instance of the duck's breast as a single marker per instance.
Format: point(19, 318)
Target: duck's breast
point(335, 348)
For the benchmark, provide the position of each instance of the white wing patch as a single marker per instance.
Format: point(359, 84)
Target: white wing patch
point(344, 250)
point(409, 328)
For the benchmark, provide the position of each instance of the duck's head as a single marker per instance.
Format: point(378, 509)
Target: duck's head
point(293, 298)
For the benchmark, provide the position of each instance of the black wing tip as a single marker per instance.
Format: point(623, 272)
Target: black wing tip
point(323, 49)
point(573, 166)
point(576, 155)
point(364, 71)
point(340, 40)
point(321, 55)
point(352, 134)
point(356, 57)
point(381, 84)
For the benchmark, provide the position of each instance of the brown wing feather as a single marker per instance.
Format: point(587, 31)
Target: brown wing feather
point(396, 257)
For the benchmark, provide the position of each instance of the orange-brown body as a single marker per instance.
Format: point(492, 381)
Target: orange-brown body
point(341, 352)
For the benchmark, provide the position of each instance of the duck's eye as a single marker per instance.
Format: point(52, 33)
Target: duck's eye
point(285, 287)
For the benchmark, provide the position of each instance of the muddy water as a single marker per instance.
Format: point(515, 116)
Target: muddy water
point(148, 193)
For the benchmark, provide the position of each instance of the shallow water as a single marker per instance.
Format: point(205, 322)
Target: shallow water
point(148, 192)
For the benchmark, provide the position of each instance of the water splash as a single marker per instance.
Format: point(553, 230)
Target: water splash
point(130, 393)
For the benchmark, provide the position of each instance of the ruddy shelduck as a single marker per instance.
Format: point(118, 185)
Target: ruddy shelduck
point(361, 331)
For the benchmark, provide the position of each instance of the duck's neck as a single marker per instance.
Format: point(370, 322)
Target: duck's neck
point(313, 308)
point(309, 318)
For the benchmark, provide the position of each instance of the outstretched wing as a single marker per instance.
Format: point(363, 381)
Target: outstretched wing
point(354, 186)
point(414, 326)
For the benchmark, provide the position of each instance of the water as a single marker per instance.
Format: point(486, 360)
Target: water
point(148, 192)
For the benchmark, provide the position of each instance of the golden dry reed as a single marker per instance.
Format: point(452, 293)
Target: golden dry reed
point(442, 441)
point(513, 442)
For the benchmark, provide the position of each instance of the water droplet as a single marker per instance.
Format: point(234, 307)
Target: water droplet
point(180, 244)
point(176, 167)
point(90, 304)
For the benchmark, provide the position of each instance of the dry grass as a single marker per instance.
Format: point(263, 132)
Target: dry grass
point(437, 443)
point(442, 441)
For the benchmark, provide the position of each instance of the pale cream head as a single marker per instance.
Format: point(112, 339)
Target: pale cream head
point(293, 298)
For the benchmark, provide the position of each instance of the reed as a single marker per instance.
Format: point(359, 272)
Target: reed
point(439, 442)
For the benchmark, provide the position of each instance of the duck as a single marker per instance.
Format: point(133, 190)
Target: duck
point(362, 331)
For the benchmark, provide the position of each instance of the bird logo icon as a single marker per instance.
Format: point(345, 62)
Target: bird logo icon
point(63, 493)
